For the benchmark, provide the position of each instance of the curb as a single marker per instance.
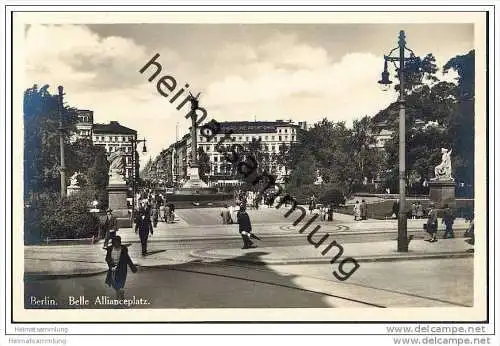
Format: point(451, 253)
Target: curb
point(292, 234)
point(48, 276)
point(321, 260)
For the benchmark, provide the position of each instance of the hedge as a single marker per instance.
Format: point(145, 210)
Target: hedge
point(326, 193)
point(60, 218)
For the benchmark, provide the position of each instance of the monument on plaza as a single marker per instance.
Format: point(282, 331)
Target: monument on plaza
point(73, 186)
point(442, 186)
point(193, 184)
point(117, 188)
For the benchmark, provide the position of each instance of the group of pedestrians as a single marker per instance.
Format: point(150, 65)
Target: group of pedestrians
point(431, 227)
point(360, 211)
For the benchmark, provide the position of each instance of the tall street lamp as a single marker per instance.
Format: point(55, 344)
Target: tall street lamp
point(401, 59)
point(134, 153)
point(62, 169)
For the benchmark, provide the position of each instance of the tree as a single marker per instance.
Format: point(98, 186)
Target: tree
point(98, 173)
point(256, 150)
point(446, 114)
point(41, 139)
point(461, 123)
point(366, 157)
point(282, 158)
point(304, 173)
point(204, 162)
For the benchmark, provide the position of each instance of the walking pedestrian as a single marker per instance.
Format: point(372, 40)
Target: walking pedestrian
point(245, 228)
point(448, 219)
point(330, 212)
point(414, 210)
point(432, 224)
point(470, 232)
point(154, 215)
point(226, 215)
point(110, 226)
point(364, 210)
point(143, 225)
point(420, 210)
point(118, 260)
point(357, 211)
point(395, 209)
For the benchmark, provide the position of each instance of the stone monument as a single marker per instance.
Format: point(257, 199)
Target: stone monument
point(117, 189)
point(194, 183)
point(73, 186)
point(442, 186)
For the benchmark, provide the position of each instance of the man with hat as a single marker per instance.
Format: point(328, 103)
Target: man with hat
point(110, 226)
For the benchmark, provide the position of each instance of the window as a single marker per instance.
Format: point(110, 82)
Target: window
point(272, 138)
point(279, 138)
point(239, 138)
point(293, 138)
point(201, 139)
point(266, 138)
point(273, 148)
point(286, 130)
point(247, 139)
point(286, 138)
point(216, 158)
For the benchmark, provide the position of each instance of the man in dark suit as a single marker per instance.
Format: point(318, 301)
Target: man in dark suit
point(245, 228)
point(144, 226)
point(110, 227)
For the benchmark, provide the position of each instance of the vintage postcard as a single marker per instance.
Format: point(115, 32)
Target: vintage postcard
point(258, 166)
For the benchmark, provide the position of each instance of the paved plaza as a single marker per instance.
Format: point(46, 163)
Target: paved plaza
point(198, 263)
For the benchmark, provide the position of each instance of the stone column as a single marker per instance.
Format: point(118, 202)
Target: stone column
point(117, 197)
point(194, 141)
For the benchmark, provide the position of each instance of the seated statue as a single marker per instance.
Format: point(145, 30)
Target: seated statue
point(117, 167)
point(74, 179)
point(443, 170)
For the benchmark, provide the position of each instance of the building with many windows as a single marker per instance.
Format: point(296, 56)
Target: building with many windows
point(84, 125)
point(114, 136)
point(274, 138)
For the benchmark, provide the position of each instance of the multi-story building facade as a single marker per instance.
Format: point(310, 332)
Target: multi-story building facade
point(114, 136)
point(272, 135)
point(84, 125)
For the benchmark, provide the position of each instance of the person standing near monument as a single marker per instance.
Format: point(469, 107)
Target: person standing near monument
point(395, 209)
point(420, 210)
point(226, 215)
point(364, 210)
point(413, 210)
point(357, 211)
point(448, 219)
point(110, 227)
point(432, 223)
point(155, 214)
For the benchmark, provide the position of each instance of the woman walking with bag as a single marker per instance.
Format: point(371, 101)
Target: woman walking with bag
point(432, 224)
point(118, 260)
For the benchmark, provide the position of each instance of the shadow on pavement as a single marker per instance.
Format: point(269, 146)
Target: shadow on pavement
point(194, 284)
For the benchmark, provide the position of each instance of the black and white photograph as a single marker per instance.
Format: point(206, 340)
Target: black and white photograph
point(188, 166)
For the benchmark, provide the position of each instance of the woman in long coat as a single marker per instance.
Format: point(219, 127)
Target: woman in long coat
point(118, 260)
point(357, 211)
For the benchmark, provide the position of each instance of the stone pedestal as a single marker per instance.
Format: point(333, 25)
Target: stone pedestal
point(117, 197)
point(442, 192)
point(72, 189)
point(194, 181)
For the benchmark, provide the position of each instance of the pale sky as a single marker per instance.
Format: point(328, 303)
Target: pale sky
point(302, 72)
